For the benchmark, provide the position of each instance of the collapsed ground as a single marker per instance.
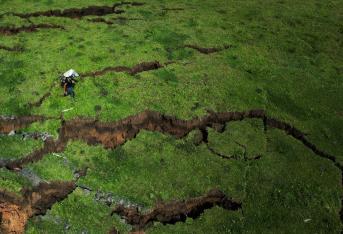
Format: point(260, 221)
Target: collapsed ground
point(264, 156)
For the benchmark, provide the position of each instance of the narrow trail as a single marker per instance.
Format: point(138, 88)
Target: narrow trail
point(175, 211)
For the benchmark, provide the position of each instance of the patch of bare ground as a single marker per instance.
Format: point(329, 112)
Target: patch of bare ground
point(210, 50)
point(16, 210)
point(175, 211)
point(9, 31)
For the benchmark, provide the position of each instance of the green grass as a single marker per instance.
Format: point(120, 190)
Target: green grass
point(12, 182)
point(285, 58)
point(95, 217)
point(15, 147)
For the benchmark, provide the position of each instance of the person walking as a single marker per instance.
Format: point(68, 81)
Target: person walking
point(68, 82)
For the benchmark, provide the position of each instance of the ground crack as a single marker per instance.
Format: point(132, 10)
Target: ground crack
point(12, 123)
point(40, 101)
point(8, 31)
point(16, 210)
point(232, 157)
point(80, 12)
point(210, 50)
point(113, 134)
point(175, 211)
point(102, 20)
point(141, 67)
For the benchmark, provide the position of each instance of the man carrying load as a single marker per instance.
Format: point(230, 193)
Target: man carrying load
point(68, 82)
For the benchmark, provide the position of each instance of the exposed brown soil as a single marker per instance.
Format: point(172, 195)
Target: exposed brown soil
point(175, 211)
point(32, 28)
point(16, 210)
point(111, 135)
point(141, 67)
point(80, 12)
point(208, 50)
point(8, 124)
point(12, 49)
point(50, 146)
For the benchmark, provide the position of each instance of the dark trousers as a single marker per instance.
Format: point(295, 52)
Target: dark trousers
point(70, 91)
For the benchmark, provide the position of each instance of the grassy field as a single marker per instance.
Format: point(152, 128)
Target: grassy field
point(283, 56)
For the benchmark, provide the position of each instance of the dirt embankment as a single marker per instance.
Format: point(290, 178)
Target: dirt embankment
point(16, 210)
point(176, 211)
